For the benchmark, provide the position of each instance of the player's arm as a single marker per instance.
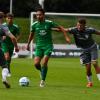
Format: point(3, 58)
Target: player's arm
point(18, 37)
point(13, 38)
point(56, 29)
point(65, 34)
point(29, 40)
point(14, 41)
point(97, 32)
point(18, 34)
point(60, 28)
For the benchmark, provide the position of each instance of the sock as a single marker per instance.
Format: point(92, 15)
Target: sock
point(98, 76)
point(44, 70)
point(4, 74)
point(89, 78)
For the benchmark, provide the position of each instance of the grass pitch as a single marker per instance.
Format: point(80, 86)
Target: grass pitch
point(66, 80)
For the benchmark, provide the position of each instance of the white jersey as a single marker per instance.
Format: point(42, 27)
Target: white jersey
point(5, 30)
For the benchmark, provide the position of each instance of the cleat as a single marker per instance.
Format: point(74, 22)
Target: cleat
point(42, 83)
point(90, 84)
point(7, 85)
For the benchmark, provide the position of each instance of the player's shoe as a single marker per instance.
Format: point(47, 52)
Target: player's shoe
point(7, 85)
point(42, 83)
point(9, 75)
point(89, 84)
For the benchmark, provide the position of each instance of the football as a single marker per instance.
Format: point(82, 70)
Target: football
point(24, 81)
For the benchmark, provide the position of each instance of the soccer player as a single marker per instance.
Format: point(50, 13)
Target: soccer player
point(83, 39)
point(7, 44)
point(42, 29)
point(4, 31)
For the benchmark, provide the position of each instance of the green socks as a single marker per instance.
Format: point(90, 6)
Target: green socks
point(44, 70)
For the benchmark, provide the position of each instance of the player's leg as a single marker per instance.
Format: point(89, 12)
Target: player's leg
point(86, 60)
point(94, 58)
point(8, 59)
point(37, 59)
point(89, 75)
point(4, 69)
point(44, 70)
point(44, 67)
point(6, 50)
point(37, 64)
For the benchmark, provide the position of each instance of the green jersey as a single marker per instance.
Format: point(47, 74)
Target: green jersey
point(14, 29)
point(42, 30)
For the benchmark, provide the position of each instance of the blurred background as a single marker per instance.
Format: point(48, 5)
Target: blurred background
point(22, 10)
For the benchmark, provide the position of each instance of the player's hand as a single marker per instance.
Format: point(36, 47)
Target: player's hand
point(68, 40)
point(16, 49)
point(28, 48)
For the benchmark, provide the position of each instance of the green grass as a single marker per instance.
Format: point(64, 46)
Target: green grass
point(66, 80)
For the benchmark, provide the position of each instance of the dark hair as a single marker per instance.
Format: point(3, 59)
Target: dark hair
point(9, 15)
point(1, 14)
point(82, 21)
point(40, 9)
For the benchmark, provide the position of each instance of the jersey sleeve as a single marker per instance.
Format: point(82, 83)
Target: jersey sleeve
point(92, 30)
point(33, 27)
point(54, 25)
point(72, 30)
point(6, 30)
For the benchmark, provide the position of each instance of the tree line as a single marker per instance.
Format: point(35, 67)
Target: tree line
point(22, 8)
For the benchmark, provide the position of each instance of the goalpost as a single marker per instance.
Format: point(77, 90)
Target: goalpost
point(58, 14)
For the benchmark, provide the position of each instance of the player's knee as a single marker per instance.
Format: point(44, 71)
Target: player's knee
point(38, 66)
point(94, 62)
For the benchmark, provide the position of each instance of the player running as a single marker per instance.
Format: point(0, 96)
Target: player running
point(7, 44)
point(83, 39)
point(42, 29)
point(4, 31)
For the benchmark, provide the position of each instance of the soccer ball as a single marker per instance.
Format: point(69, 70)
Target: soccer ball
point(24, 81)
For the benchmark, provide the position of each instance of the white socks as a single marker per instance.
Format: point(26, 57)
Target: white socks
point(89, 78)
point(98, 76)
point(4, 74)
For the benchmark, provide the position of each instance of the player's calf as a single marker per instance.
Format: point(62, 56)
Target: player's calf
point(38, 66)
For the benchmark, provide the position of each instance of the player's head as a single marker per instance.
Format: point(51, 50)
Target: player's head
point(40, 14)
point(1, 16)
point(9, 18)
point(81, 24)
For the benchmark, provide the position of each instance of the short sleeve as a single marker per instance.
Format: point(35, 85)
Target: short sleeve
point(91, 30)
point(33, 27)
point(6, 30)
point(54, 24)
point(72, 30)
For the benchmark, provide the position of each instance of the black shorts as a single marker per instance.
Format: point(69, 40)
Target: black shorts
point(89, 55)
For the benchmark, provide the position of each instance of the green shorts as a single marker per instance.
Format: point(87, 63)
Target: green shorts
point(7, 48)
point(41, 51)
